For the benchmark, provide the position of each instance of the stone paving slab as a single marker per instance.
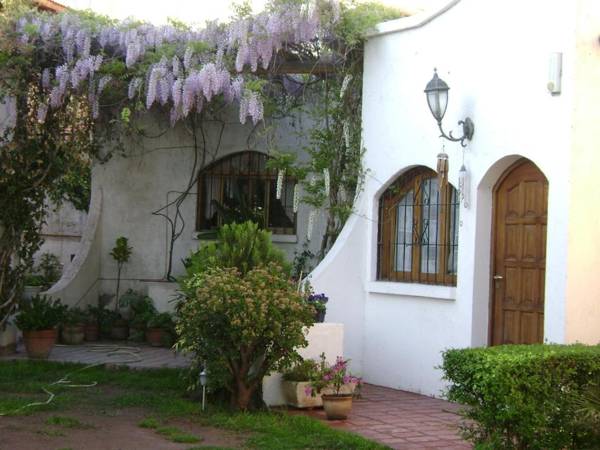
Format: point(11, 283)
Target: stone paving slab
point(401, 420)
point(117, 353)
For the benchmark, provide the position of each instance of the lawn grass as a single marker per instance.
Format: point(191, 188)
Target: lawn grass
point(161, 394)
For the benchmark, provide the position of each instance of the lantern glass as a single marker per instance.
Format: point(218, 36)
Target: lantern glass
point(203, 378)
point(437, 96)
point(438, 102)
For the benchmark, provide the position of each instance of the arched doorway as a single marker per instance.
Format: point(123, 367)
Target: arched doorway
point(520, 211)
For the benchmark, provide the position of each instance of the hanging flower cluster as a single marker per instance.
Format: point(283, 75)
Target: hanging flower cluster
point(199, 69)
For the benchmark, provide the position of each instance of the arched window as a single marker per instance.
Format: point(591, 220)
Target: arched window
point(418, 230)
point(240, 187)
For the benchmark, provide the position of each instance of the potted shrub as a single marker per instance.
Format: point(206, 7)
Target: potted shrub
point(33, 286)
point(336, 385)
point(119, 328)
point(141, 310)
point(73, 326)
point(296, 385)
point(319, 302)
point(91, 328)
point(160, 330)
point(50, 269)
point(39, 319)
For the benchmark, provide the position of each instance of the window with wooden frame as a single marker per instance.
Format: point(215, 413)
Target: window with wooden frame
point(418, 230)
point(240, 187)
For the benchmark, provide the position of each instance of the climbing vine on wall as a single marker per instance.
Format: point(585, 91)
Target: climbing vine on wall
point(76, 84)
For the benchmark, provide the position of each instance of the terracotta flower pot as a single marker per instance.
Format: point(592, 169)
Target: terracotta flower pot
point(39, 343)
point(91, 332)
point(73, 334)
point(155, 337)
point(119, 331)
point(337, 407)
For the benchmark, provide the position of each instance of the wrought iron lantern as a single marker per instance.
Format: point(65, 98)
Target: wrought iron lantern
point(437, 99)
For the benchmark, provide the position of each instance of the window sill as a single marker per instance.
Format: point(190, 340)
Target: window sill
point(284, 238)
point(277, 238)
point(412, 290)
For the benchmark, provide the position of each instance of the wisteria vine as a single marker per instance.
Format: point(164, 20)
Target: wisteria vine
point(201, 64)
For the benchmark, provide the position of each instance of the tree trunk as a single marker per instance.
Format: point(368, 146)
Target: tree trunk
point(119, 266)
point(243, 396)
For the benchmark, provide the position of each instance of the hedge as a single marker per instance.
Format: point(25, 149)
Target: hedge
point(524, 396)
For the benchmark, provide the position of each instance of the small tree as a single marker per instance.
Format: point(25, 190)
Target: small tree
point(120, 253)
point(243, 327)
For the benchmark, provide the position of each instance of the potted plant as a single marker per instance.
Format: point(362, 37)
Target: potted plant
point(73, 326)
point(296, 383)
point(39, 319)
point(91, 328)
point(141, 310)
point(50, 269)
point(121, 253)
point(336, 385)
point(160, 330)
point(319, 302)
point(33, 286)
point(119, 328)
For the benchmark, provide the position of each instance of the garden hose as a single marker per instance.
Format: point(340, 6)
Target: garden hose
point(110, 350)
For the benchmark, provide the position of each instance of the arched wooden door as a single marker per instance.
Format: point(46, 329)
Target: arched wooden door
point(519, 255)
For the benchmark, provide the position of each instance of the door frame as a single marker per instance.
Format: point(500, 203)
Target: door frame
point(491, 285)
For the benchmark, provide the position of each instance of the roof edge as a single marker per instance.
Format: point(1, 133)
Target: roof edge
point(410, 22)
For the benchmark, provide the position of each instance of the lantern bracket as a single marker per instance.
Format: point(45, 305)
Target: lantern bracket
point(468, 129)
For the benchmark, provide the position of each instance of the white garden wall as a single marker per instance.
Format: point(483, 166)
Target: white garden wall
point(152, 174)
point(494, 55)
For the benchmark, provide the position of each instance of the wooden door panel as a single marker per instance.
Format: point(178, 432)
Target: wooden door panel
point(519, 248)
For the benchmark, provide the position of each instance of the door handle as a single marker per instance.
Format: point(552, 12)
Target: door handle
point(498, 277)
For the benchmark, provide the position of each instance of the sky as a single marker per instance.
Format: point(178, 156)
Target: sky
point(196, 11)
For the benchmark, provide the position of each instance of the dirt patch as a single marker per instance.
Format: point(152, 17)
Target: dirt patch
point(101, 432)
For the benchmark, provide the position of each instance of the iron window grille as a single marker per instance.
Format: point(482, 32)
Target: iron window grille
point(418, 230)
point(241, 187)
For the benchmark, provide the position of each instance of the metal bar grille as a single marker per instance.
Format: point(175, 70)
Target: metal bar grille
point(418, 234)
point(240, 187)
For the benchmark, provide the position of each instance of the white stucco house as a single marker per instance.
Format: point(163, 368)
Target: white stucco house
point(420, 269)
point(422, 265)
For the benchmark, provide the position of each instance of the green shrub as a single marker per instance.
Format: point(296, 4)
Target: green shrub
point(302, 371)
point(243, 246)
point(242, 326)
point(74, 316)
point(523, 396)
point(40, 313)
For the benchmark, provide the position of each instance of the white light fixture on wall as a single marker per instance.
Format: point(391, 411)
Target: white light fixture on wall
point(554, 73)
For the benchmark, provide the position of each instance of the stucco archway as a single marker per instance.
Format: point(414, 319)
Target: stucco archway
point(482, 246)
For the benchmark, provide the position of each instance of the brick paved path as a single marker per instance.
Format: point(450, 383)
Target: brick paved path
point(401, 420)
point(132, 355)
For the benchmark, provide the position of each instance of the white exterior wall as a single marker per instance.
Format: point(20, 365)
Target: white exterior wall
point(494, 56)
point(152, 175)
point(62, 232)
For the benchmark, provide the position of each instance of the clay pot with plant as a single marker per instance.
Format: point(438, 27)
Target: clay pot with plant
point(141, 310)
point(296, 382)
point(160, 330)
point(319, 302)
point(121, 253)
point(336, 385)
point(39, 318)
point(92, 323)
point(73, 326)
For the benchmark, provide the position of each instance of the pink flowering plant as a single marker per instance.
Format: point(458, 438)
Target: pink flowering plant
point(332, 378)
